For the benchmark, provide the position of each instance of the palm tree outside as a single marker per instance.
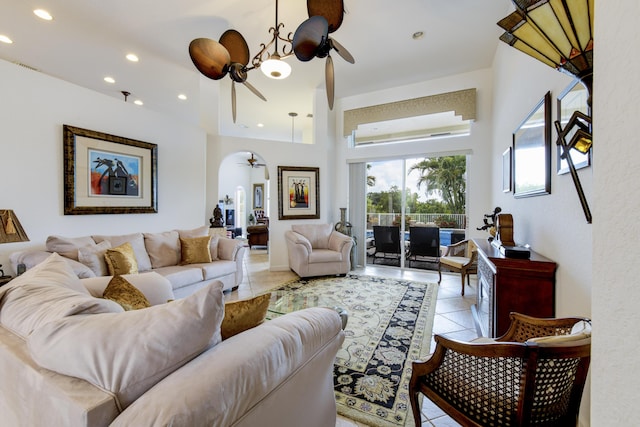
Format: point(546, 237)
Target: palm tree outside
point(444, 176)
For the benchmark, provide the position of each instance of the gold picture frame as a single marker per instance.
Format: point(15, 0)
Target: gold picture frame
point(298, 192)
point(108, 174)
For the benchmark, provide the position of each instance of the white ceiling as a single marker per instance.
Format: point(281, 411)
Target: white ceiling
point(88, 40)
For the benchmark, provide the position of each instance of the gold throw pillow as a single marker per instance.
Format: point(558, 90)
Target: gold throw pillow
point(195, 250)
point(124, 293)
point(121, 260)
point(242, 315)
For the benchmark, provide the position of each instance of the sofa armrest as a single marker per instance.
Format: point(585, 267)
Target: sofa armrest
point(283, 361)
point(294, 239)
point(338, 242)
point(228, 248)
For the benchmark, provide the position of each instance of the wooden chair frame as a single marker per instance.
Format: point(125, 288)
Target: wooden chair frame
point(460, 250)
point(539, 384)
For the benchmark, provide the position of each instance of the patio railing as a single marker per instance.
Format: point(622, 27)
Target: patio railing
point(458, 221)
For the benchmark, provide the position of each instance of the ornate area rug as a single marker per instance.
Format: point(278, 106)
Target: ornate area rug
point(390, 325)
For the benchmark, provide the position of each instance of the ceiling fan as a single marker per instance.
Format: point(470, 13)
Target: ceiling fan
point(311, 38)
point(253, 162)
point(230, 56)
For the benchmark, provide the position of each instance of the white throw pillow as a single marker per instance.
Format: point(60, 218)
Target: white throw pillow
point(128, 353)
point(93, 257)
point(47, 292)
point(137, 243)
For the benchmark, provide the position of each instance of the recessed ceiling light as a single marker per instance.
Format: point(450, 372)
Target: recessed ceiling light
point(260, 125)
point(132, 57)
point(182, 96)
point(109, 79)
point(5, 39)
point(43, 14)
point(418, 35)
point(138, 102)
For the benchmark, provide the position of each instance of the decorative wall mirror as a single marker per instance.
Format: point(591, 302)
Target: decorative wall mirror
point(573, 98)
point(532, 152)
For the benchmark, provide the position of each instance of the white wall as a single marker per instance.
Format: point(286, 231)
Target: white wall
point(33, 109)
point(616, 293)
point(554, 225)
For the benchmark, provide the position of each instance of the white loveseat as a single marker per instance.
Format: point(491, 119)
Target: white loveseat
point(71, 359)
point(159, 252)
point(318, 250)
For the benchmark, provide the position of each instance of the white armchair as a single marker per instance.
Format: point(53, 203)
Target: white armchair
point(318, 250)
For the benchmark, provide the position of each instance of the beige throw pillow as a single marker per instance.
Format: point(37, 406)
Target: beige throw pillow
point(195, 250)
point(125, 294)
point(45, 293)
point(93, 257)
point(128, 353)
point(163, 248)
point(121, 260)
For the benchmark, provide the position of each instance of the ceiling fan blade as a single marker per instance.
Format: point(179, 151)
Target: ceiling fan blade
point(237, 46)
point(329, 80)
point(344, 53)
point(210, 57)
point(254, 90)
point(309, 37)
point(233, 100)
point(331, 10)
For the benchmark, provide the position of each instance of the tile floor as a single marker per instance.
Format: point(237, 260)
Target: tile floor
point(453, 312)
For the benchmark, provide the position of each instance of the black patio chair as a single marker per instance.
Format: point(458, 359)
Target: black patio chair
point(424, 245)
point(387, 242)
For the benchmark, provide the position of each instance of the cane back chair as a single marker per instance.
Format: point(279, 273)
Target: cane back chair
point(533, 375)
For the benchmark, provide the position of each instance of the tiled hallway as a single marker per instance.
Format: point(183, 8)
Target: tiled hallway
point(453, 312)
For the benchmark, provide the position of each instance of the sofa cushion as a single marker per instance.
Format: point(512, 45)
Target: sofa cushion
point(244, 314)
point(68, 246)
point(216, 269)
point(93, 257)
point(163, 248)
point(317, 234)
point(181, 275)
point(195, 250)
point(31, 258)
point(47, 292)
point(127, 353)
point(324, 255)
point(121, 260)
point(137, 243)
point(125, 294)
point(156, 289)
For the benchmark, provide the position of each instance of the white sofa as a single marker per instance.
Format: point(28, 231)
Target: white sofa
point(318, 250)
point(71, 359)
point(159, 252)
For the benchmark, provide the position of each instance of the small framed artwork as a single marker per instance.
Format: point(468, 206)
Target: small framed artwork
point(573, 98)
point(298, 192)
point(532, 152)
point(506, 171)
point(108, 174)
point(258, 196)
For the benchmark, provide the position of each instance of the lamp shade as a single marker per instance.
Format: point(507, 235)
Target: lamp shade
point(558, 33)
point(10, 228)
point(275, 68)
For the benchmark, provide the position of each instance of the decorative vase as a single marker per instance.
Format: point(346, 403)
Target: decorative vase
point(343, 226)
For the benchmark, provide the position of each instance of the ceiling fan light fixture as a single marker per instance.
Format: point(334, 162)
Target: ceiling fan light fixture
point(275, 67)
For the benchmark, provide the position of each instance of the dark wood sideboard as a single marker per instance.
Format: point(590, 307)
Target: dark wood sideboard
point(508, 284)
